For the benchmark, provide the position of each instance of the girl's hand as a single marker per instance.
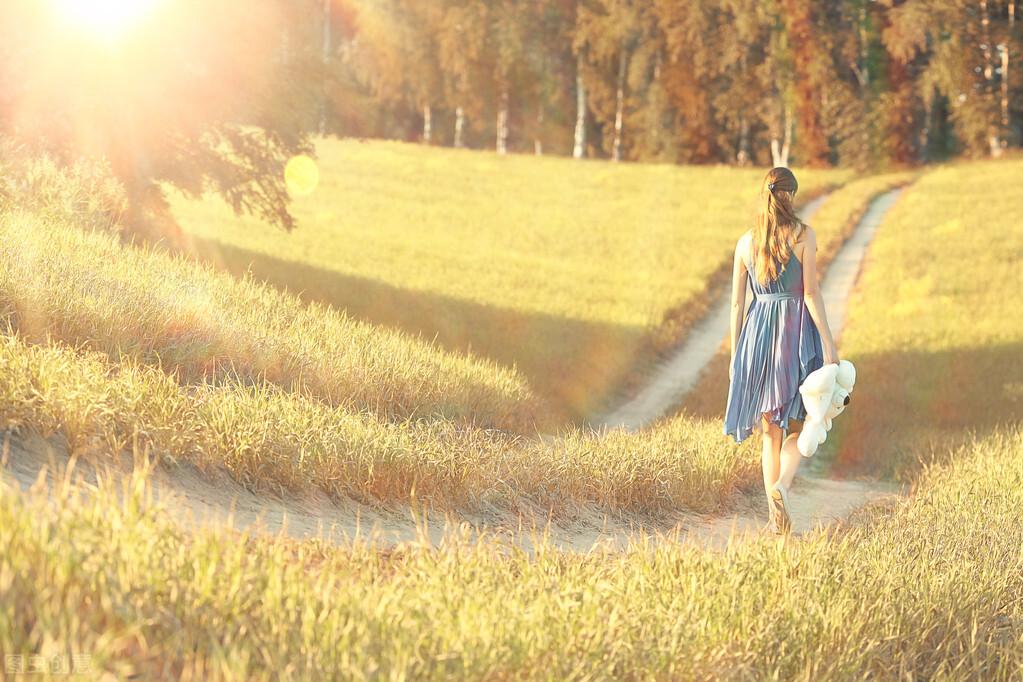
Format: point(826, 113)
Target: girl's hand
point(831, 355)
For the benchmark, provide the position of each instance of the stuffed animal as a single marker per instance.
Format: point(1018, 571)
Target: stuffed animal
point(825, 394)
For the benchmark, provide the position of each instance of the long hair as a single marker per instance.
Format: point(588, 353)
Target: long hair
point(776, 226)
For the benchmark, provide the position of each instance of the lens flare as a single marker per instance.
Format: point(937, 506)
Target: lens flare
point(301, 175)
point(103, 18)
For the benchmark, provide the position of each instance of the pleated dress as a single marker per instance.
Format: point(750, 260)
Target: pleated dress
point(778, 346)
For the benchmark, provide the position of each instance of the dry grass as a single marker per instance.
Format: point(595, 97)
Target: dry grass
point(114, 345)
point(272, 440)
point(58, 283)
point(931, 589)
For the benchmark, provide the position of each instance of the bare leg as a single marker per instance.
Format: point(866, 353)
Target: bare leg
point(771, 456)
point(790, 459)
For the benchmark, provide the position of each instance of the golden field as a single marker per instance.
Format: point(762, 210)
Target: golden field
point(928, 587)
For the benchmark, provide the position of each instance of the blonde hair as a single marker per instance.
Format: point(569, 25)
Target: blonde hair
point(776, 226)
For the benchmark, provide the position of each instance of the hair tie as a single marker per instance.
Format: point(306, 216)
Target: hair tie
point(770, 186)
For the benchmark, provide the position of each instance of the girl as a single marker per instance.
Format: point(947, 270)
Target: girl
point(784, 337)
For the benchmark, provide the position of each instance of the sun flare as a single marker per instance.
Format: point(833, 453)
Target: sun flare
point(107, 19)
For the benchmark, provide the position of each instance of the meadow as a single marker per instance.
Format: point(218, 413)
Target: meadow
point(565, 270)
point(938, 322)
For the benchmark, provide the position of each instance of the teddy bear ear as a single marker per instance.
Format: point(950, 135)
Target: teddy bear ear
point(846, 375)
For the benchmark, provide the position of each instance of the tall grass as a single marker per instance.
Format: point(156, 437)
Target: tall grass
point(112, 344)
point(560, 268)
point(58, 283)
point(933, 588)
point(272, 440)
point(929, 588)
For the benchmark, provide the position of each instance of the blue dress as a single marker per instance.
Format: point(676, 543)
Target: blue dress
point(778, 346)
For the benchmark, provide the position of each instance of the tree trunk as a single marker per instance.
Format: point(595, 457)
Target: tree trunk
point(863, 77)
point(925, 129)
point(459, 127)
point(901, 123)
point(780, 148)
point(326, 60)
point(616, 154)
point(742, 156)
point(1004, 49)
point(538, 138)
point(742, 152)
point(427, 124)
point(813, 144)
point(655, 105)
point(579, 149)
point(502, 123)
point(994, 143)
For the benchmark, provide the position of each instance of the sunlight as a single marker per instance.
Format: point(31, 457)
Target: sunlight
point(301, 175)
point(106, 19)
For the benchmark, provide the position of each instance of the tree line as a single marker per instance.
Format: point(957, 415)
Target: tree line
point(813, 82)
point(217, 95)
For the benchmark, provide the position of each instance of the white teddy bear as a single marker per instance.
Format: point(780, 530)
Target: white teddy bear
point(825, 394)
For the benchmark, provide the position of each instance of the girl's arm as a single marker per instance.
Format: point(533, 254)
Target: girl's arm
point(738, 300)
point(813, 298)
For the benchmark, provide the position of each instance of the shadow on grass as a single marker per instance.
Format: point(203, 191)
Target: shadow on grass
point(570, 363)
point(910, 407)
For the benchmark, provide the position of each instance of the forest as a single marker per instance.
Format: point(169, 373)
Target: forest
point(859, 83)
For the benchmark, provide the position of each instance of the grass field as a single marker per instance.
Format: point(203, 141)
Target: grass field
point(937, 329)
point(930, 587)
point(562, 269)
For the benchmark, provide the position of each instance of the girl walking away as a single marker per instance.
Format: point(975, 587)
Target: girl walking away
point(783, 337)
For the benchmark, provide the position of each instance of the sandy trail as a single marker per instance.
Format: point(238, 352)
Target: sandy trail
point(199, 499)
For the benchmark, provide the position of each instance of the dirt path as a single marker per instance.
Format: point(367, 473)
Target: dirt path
point(197, 499)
